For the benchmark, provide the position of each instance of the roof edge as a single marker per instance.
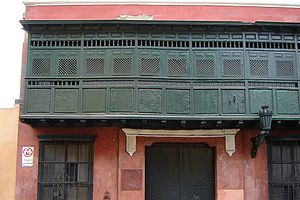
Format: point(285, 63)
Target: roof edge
point(27, 23)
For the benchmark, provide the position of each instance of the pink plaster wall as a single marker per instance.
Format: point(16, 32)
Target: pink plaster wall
point(106, 164)
point(164, 12)
point(237, 177)
point(255, 170)
point(230, 169)
point(105, 159)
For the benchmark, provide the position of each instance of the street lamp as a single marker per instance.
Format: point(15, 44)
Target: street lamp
point(265, 124)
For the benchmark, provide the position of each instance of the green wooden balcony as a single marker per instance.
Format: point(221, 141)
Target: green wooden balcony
point(152, 71)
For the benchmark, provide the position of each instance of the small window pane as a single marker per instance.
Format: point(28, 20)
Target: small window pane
point(53, 173)
point(72, 152)
point(297, 153)
point(83, 172)
point(287, 172)
point(54, 152)
point(71, 172)
point(71, 193)
point(276, 155)
point(297, 172)
point(82, 193)
point(48, 193)
point(84, 153)
point(276, 172)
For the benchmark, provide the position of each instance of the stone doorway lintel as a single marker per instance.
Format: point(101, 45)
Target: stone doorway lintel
point(228, 134)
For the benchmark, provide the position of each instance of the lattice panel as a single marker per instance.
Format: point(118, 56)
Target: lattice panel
point(177, 67)
point(67, 66)
point(232, 67)
point(122, 66)
point(55, 43)
point(163, 43)
point(217, 44)
point(205, 67)
point(109, 43)
point(40, 66)
point(150, 66)
point(94, 66)
point(270, 45)
point(259, 68)
point(284, 68)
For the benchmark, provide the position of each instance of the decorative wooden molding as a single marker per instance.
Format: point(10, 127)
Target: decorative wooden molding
point(228, 134)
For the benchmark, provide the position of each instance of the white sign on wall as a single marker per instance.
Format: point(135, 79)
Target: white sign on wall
point(27, 156)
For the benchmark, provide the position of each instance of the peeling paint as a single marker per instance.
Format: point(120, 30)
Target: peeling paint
point(135, 17)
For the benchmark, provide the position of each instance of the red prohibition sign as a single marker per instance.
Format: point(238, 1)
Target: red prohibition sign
point(27, 151)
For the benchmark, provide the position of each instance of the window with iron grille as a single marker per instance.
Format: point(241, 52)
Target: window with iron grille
point(65, 170)
point(284, 169)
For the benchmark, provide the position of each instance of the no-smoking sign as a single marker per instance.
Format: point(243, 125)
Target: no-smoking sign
point(27, 156)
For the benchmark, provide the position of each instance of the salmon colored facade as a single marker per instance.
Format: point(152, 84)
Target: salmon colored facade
point(237, 177)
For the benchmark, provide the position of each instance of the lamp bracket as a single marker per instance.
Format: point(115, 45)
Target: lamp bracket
point(257, 141)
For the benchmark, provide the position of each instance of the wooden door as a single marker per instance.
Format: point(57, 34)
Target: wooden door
point(180, 172)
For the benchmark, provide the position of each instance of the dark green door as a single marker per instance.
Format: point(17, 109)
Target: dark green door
point(180, 172)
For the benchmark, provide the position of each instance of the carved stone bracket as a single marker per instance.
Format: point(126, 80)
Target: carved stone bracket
point(131, 144)
point(228, 134)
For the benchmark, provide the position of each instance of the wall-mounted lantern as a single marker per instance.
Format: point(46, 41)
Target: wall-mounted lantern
point(265, 124)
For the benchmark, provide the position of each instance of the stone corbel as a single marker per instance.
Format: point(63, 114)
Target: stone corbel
point(228, 134)
point(131, 140)
point(131, 144)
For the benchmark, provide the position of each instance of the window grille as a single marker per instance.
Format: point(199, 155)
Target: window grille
point(284, 170)
point(149, 66)
point(65, 170)
point(177, 67)
point(94, 66)
point(259, 68)
point(205, 68)
point(67, 66)
point(284, 68)
point(41, 66)
point(122, 66)
point(232, 67)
